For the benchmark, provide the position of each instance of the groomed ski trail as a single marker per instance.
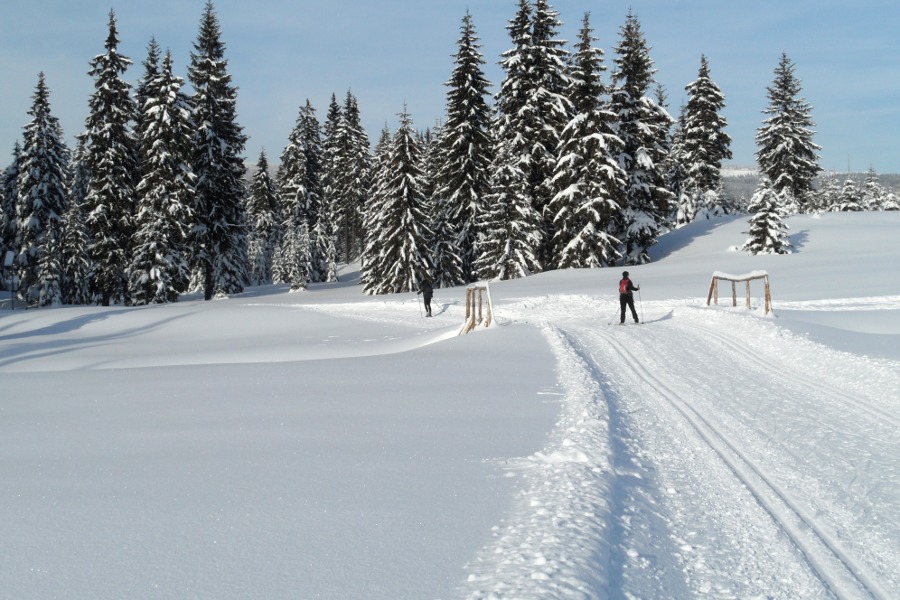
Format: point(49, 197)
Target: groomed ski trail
point(661, 478)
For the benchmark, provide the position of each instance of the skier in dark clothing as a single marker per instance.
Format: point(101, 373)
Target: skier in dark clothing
point(427, 292)
point(626, 297)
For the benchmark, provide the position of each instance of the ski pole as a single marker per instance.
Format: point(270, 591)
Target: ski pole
point(641, 303)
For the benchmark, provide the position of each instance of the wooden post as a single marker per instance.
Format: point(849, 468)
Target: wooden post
point(479, 307)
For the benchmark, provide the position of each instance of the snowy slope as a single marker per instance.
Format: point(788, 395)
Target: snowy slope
point(331, 445)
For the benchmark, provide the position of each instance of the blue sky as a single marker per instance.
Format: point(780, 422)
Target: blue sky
point(391, 52)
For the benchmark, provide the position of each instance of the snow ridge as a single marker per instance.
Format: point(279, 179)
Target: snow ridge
point(552, 546)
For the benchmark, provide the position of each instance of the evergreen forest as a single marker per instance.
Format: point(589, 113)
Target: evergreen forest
point(574, 161)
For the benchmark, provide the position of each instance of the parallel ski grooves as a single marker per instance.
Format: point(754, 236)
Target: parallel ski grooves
point(844, 575)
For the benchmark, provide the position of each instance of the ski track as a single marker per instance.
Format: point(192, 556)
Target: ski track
point(662, 477)
point(844, 575)
point(697, 502)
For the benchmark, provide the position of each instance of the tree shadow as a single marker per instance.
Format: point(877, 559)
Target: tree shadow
point(799, 239)
point(31, 345)
point(678, 239)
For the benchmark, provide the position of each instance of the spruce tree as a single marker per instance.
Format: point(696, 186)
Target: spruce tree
point(76, 262)
point(890, 202)
point(465, 157)
point(786, 153)
point(446, 254)
point(41, 203)
point(262, 209)
point(310, 134)
point(589, 200)
point(513, 133)
point(641, 127)
point(768, 232)
point(295, 258)
point(547, 110)
point(160, 269)
point(511, 228)
point(873, 193)
point(111, 163)
point(219, 238)
point(403, 262)
point(704, 143)
point(371, 272)
point(327, 228)
point(510, 102)
point(351, 183)
point(9, 194)
point(850, 198)
point(827, 196)
point(142, 90)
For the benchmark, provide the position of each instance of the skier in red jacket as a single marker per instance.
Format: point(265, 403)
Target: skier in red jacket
point(626, 297)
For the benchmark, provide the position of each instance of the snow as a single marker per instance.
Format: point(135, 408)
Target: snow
point(329, 444)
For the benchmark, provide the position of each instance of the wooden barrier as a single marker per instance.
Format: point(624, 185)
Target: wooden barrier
point(478, 307)
point(735, 279)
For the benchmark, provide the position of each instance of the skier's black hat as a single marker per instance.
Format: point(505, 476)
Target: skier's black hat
point(625, 274)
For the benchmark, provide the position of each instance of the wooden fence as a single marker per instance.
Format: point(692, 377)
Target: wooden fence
point(735, 279)
point(479, 311)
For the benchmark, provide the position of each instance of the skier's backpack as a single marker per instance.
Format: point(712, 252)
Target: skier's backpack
point(623, 286)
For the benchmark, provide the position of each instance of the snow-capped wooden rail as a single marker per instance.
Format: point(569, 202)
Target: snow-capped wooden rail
point(735, 279)
point(479, 311)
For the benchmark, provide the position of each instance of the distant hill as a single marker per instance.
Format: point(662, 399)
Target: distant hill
point(741, 180)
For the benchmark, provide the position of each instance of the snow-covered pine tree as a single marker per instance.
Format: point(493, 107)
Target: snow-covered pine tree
point(676, 177)
point(826, 196)
point(429, 159)
point(41, 202)
point(371, 274)
point(352, 180)
point(588, 178)
point(705, 143)
point(219, 237)
point(446, 253)
point(465, 154)
point(9, 195)
point(295, 251)
point(160, 267)
point(111, 162)
point(531, 106)
point(890, 202)
point(329, 208)
point(403, 261)
point(311, 135)
point(641, 120)
point(4, 220)
point(786, 153)
point(262, 211)
point(76, 263)
point(326, 240)
point(768, 232)
point(511, 99)
point(509, 135)
point(142, 90)
point(850, 198)
point(511, 228)
point(873, 193)
point(547, 110)
point(296, 255)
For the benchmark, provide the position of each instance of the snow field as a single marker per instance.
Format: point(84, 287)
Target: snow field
point(327, 444)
